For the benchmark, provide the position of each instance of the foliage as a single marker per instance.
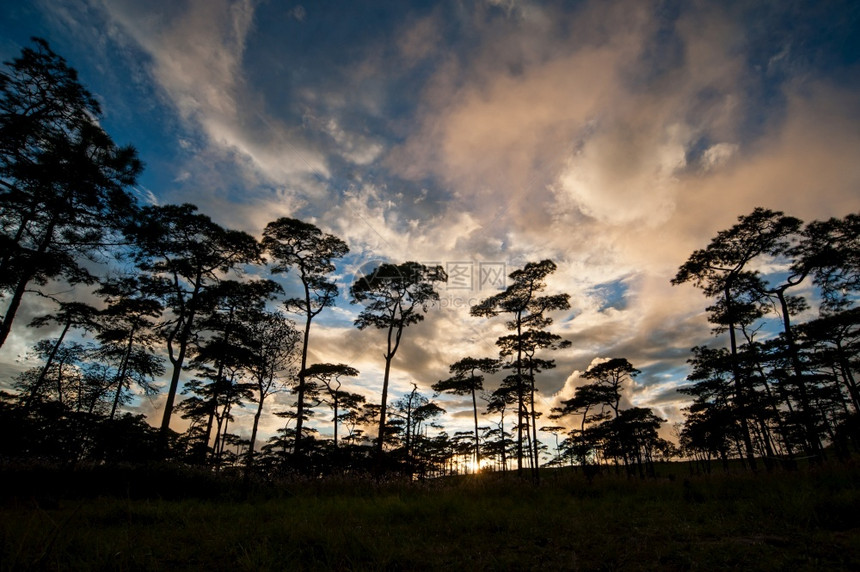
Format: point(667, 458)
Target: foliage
point(63, 181)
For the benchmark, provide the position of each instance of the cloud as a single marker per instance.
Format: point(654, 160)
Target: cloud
point(197, 51)
point(717, 155)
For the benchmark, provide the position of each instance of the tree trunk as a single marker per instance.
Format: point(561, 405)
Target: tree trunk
point(536, 463)
point(335, 419)
point(250, 458)
point(178, 362)
point(381, 432)
point(21, 287)
point(520, 405)
point(739, 384)
point(477, 437)
point(38, 385)
point(848, 377)
point(808, 418)
point(300, 409)
point(123, 370)
point(389, 355)
point(171, 391)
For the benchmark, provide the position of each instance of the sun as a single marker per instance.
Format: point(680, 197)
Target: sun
point(470, 467)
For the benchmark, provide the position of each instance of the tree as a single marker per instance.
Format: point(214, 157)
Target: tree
point(834, 338)
point(527, 308)
point(465, 381)
point(184, 254)
point(303, 246)
point(585, 399)
point(633, 436)
point(555, 430)
point(723, 266)
point(329, 375)
point(70, 314)
point(394, 297)
point(610, 375)
point(497, 402)
point(126, 336)
point(272, 340)
point(829, 250)
point(231, 308)
point(60, 381)
point(63, 181)
point(414, 409)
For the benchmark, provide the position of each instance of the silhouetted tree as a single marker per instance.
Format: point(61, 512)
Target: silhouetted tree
point(69, 315)
point(394, 297)
point(586, 399)
point(527, 308)
point(466, 381)
point(611, 375)
point(829, 251)
point(126, 336)
point(497, 402)
point(718, 270)
point(329, 375)
point(633, 436)
point(61, 382)
point(232, 307)
point(62, 179)
point(183, 254)
point(272, 341)
point(304, 247)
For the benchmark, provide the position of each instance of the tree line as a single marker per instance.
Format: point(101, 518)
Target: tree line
point(165, 290)
point(169, 292)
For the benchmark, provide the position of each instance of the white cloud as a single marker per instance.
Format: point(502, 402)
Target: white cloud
point(717, 155)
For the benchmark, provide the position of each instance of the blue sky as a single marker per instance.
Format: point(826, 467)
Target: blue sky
point(612, 137)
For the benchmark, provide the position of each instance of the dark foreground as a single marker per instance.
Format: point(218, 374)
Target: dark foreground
point(804, 520)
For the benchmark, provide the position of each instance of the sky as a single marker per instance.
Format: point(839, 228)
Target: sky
point(613, 137)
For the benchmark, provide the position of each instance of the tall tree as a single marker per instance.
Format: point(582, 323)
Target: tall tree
point(527, 309)
point(61, 381)
point(272, 339)
point(413, 409)
point(183, 254)
point(394, 296)
point(586, 398)
point(302, 246)
point(497, 402)
point(466, 381)
point(231, 308)
point(63, 181)
point(720, 268)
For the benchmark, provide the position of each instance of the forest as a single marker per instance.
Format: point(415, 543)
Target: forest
point(171, 294)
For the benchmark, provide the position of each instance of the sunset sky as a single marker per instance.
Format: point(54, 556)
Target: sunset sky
point(612, 137)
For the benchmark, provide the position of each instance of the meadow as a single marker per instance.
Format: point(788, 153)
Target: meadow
point(169, 520)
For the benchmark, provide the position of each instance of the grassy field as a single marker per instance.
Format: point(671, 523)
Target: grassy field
point(805, 520)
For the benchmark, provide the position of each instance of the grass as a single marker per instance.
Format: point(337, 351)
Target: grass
point(806, 520)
